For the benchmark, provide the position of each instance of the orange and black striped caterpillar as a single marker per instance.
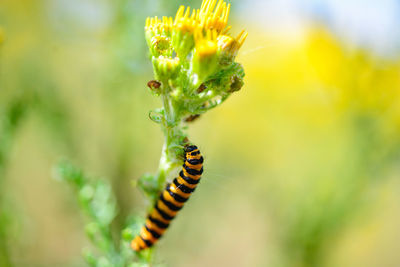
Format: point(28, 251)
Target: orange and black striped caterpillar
point(171, 200)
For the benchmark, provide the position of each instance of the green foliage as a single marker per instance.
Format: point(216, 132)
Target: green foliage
point(10, 119)
point(97, 201)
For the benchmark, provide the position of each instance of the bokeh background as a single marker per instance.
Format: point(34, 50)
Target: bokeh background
point(301, 165)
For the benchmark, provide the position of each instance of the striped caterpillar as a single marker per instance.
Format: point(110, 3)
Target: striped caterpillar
point(171, 200)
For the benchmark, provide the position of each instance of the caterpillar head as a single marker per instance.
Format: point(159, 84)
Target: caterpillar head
point(190, 148)
point(192, 152)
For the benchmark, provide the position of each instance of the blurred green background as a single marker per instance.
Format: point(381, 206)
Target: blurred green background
point(301, 165)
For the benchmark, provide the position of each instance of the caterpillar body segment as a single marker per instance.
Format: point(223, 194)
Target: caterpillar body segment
point(171, 200)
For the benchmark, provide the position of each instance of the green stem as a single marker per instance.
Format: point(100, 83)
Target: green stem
point(163, 167)
point(173, 134)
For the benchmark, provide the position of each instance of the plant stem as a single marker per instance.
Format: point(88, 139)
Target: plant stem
point(163, 167)
point(173, 135)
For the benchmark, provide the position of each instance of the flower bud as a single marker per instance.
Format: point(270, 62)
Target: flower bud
point(158, 34)
point(205, 58)
point(182, 43)
point(165, 67)
point(182, 34)
point(228, 47)
point(160, 46)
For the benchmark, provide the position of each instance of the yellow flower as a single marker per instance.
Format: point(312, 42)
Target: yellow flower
point(198, 37)
point(229, 47)
point(209, 17)
point(232, 45)
point(206, 44)
point(205, 56)
point(158, 26)
point(214, 19)
point(185, 23)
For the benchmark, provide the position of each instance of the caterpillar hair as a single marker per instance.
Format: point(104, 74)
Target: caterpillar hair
point(171, 200)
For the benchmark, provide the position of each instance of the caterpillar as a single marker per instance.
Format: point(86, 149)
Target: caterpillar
point(171, 200)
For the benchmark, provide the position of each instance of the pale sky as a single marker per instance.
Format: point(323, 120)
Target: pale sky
point(373, 24)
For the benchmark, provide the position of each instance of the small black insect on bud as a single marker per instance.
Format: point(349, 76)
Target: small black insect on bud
point(201, 88)
point(236, 85)
point(192, 118)
point(154, 86)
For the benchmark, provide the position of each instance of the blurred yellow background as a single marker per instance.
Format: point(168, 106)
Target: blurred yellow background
point(301, 165)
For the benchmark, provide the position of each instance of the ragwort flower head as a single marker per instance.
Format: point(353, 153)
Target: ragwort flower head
point(195, 48)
